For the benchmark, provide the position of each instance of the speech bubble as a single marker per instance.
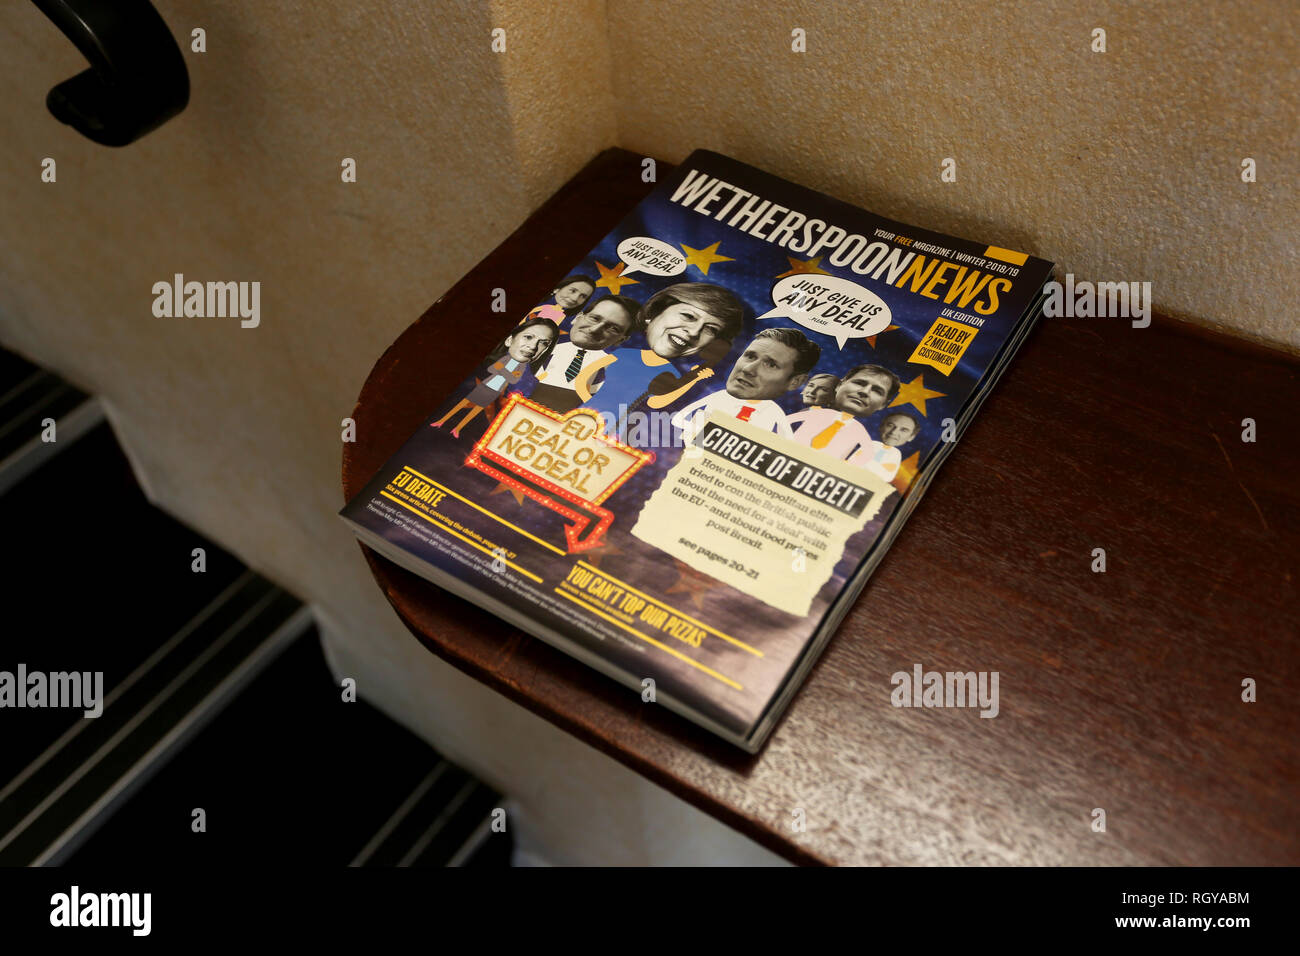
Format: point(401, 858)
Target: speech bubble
point(643, 254)
point(830, 305)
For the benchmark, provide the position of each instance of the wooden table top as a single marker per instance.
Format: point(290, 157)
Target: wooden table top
point(1119, 690)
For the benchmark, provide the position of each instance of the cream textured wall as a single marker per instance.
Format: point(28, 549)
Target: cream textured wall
point(1122, 166)
point(237, 431)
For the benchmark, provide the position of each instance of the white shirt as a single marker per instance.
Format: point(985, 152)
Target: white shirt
point(763, 413)
point(561, 358)
point(848, 437)
point(879, 458)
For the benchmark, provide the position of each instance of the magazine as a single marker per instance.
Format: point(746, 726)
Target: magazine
point(682, 467)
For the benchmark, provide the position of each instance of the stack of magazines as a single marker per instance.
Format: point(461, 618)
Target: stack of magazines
point(682, 467)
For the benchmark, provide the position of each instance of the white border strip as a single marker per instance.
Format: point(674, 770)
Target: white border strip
point(448, 812)
point(35, 452)
point(400, 814)
point(473, 843)
point(190, 724)
point(149, 663)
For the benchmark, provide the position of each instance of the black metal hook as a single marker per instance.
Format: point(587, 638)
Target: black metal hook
point(137, 78)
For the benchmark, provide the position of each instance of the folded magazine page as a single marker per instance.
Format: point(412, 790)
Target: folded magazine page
point(681, 464)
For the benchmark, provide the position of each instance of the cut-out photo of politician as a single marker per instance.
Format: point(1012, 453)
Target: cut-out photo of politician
point(679, 321)
point(601, 325)
point(819, 390)
point(834, 430)
point(886, 456)
point(775, 362)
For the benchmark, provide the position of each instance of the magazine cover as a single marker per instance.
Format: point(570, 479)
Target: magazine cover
point(683, 464)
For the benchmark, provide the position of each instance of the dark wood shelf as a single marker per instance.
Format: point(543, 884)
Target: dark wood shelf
point(1119, 690)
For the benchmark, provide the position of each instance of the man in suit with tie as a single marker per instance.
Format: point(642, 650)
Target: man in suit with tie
point(885, 458)
point(836, 431)
point(602, 325)
point(776, 361)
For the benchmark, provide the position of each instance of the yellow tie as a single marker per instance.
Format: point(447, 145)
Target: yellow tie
point(824, 437)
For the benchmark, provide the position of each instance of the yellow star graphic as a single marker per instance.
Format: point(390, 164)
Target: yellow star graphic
point(612, 279)
point(692, 583)
point(598, 553)
point(703, 258)
point(906, 472)
point(915, 393)
point(502, 486)
point(799, 267)
point(871, 339)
